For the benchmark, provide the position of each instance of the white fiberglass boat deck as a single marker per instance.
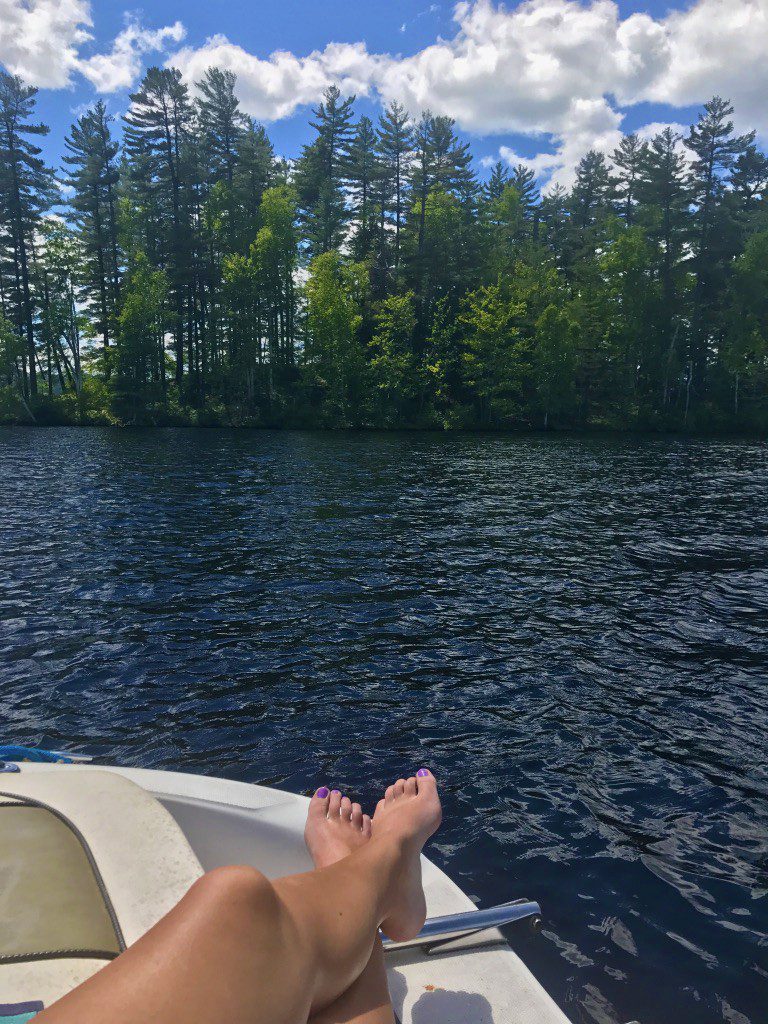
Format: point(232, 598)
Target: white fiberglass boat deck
point(143, 864)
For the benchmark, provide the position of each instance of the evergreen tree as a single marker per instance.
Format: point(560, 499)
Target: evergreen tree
point(255, 171)
point(555, 218)
point(322, 172)
point(716, 150)
point(497, 182)
point(157, 135)
point(524, 182)
point(749, 179)
point(592, 196)
point(363, 174)
point(634, 300)
point(630, 158)
point(93, 175)
point(221, 122)
point(664, 194)
point(26, 192)
point(395, 146)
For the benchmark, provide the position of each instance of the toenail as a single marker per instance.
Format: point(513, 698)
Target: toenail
point(422, 772)
point(322, 792)
point(336, 792)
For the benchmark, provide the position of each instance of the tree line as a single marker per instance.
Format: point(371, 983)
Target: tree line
point(183, 273)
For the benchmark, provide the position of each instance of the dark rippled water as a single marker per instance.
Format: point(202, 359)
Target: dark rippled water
point(570, 632)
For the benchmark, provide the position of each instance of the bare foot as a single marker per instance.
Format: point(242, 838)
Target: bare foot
point(335, 827)
point(410, 812)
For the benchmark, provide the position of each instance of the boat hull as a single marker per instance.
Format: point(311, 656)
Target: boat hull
point(472, 981)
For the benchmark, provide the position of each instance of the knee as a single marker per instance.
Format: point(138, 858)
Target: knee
point(238, 889)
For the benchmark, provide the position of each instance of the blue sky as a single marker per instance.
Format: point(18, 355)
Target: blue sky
point(541, 80)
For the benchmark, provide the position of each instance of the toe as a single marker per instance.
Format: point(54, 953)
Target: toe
point(399, 787)
point(379, 806)
point(334, 804)
point(346, 808)
point(390, 793)
point(357, 816)
point(425, 780)
point(410, 786)
point(366, 825)
point(318, 805)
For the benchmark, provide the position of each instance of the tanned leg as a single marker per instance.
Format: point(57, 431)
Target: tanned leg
point(333, 833)
point(366, 1001)
point(239, 948)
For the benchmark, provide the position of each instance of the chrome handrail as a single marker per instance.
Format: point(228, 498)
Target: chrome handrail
point(455, 926)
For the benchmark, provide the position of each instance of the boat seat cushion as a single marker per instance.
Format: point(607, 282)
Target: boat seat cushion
point(89, 862)
point(50, 900)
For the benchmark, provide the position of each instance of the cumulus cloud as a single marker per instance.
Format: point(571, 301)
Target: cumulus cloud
point(274, 88)
point(41, 41)
point(564, 71)
point(119, 69)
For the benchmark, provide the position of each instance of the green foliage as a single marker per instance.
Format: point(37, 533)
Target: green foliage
point(334, 364)
point(397, 377)
point(140, 387)
point(496, 357)
point(197, 279)
point(554, 364)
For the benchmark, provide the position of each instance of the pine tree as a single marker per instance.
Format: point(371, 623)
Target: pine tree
point(749, 178)
point(323, 170)
point(629, 158)
point(716, 150)
point(497, 182)
point(664, 195)
point(395, 147)
point(524, 182)
point(255, 171)
point(26, 192)
point(442, 166)
point(363, 173)
point(222, 123)
point(555, 217)
point(93, 175)
point(592, 193)
point(158, 127)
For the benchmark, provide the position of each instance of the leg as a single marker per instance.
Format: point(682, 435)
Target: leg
point(366, 1001)
point(333, 833)
point(240, 948)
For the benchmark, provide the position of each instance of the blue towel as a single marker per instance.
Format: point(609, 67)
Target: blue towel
point(11, 752)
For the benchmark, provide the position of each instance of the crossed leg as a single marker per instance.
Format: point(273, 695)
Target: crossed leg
point(240, 948)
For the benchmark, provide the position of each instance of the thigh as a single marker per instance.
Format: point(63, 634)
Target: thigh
point(227, 952)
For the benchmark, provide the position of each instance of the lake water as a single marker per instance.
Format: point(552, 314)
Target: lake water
point(570, 632)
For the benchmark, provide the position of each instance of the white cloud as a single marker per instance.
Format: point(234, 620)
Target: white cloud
point(120, 68)
point(40, 39)
point(560, 70)
point(274, 88)
point(717, 46)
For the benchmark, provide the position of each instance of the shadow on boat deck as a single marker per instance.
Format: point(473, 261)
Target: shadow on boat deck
point(441, 1006)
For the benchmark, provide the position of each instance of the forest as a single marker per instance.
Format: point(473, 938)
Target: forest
point(175, 271)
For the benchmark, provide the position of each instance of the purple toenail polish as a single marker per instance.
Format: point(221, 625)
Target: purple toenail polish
point(422, 772)
point(322, 792)
point(336, 792)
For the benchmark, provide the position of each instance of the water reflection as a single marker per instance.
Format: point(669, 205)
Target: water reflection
point(570, 631)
